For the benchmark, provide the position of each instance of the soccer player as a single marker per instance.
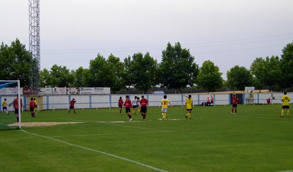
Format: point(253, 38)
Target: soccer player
point(188, 106)
point(138, 102)
point(134, 105)
point(16, 107)
point(212, 99)
point(144, 103)
point(165, 103)
point(4, 106)
point(32, 107)
point(208, 101)
point(72, 102)
point(235, 101)
point(128, 105)
point(36, 105)
point(285, 100)
point(120, 104)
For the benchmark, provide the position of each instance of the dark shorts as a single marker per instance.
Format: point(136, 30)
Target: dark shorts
point(36, 106)
point(32, 109)
point(127, 109)
point(71, 107)
point(135, 106)
point(285, 107)
point(189, 110)
point(143, 109)
point(16, 111)
point(234, 105)
point(120, 106)
point(4, 108)
point(212, 101)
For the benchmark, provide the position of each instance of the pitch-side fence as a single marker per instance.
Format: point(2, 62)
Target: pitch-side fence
point(52, 102)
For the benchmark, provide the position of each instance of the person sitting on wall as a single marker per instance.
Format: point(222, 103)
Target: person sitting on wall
point(268, 100)
point(208, 103)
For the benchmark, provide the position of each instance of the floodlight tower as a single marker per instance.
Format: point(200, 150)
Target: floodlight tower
point(34, 42)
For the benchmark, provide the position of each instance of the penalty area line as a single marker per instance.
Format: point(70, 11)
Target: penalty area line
point(97, 151)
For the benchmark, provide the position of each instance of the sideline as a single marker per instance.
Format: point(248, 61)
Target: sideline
point(94, 150)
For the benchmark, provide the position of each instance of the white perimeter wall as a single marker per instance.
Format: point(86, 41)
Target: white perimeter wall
point(110, 101)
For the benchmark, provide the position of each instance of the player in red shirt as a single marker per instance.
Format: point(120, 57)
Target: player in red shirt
point(32, 107)
point(235, 100)
point(208, 101)
point(212, 99)
point(128, 105)
point(144, 103)
point(72, 102)
point(16, 107)
point(120, 105)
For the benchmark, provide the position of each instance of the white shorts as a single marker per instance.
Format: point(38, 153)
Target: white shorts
point(164, 110)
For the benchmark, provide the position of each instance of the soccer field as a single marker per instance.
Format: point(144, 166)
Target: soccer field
point(256, 139)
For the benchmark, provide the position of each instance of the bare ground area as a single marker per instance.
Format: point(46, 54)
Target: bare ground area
point(42, 124)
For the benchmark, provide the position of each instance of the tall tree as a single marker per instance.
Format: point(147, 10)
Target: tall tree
point(45, 78)
point(177, 69)
point(79, 77)
point(267, 72)
point(239, 77)
point(15, 62)
point(258, 70)
point(209, 77)
point(117, 72)
point(287, 66)
point(143, 71)
point(127, 79)
point(58, 76)
point(106, 73)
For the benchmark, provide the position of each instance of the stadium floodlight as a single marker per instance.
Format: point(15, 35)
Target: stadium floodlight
point(11, 93)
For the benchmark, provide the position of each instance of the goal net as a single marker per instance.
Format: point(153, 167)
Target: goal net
point(9, 93)
point(249, 95)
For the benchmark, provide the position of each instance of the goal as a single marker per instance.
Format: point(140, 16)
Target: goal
point(9, 93)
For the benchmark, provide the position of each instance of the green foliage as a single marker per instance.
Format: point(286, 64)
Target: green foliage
point(209, 77)
point(127, 80)
point(239, 78)
point(15, 62)
point(79, 77)
point(116, 68)
point(142, 71)
point(58, 76)
point(105, 73)
point(267, 72)
point(45, 78)
point(177, 69)
point(287, 66)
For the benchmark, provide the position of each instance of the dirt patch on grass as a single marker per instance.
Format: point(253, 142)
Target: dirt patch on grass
point(42, 124)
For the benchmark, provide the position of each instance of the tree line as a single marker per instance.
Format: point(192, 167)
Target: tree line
point(177, 70)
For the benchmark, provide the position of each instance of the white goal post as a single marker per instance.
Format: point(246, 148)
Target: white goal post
point(5, 83)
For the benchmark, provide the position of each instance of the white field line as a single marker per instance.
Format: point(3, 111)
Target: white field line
point(87, 135)
point(286, 171)
point(97, 151)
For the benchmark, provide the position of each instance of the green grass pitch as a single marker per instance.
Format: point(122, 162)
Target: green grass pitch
point(254, 140)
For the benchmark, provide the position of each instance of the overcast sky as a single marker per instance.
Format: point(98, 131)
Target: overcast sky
point(227, 32)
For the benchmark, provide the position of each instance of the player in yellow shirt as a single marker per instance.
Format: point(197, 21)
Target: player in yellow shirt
point(165, 103)
point(188, 106)
point(285, 100)
point(4, 106)
point(36, 105)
